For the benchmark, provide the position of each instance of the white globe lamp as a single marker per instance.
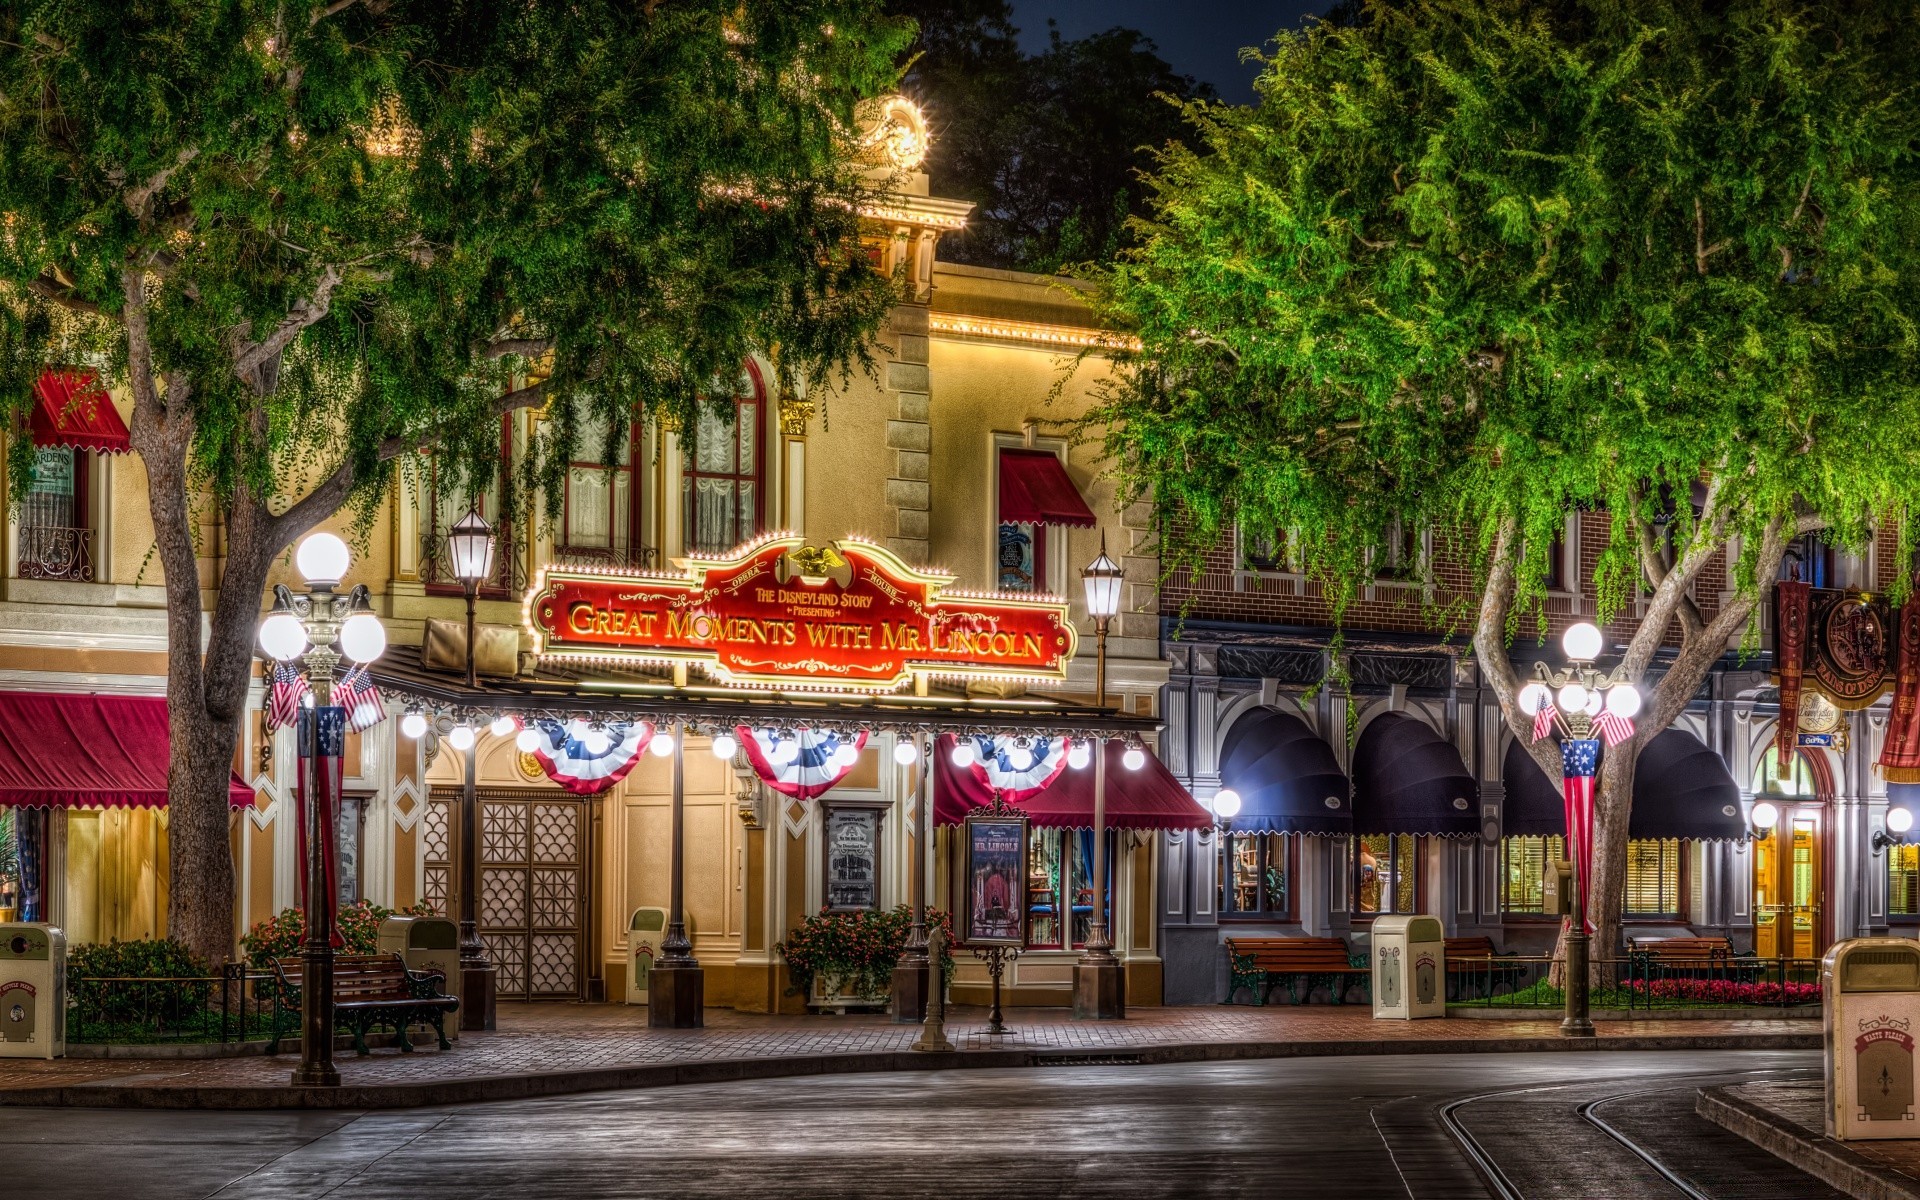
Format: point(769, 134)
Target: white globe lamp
point(363, 638)
point(283, 637)
point(724, 746)
point(905, 752)
point(1581, 641)
point(1226, 804)
point(1623, 700)
point(460, 737)
point(322, 560)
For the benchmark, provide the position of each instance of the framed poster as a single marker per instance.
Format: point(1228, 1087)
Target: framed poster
point(996, 880)
point(852, 846)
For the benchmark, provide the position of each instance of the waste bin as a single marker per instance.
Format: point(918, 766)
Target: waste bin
point(646, 930)
point(33, 991)
point(1871, 987)
point(427, 944)
point(1409, 967)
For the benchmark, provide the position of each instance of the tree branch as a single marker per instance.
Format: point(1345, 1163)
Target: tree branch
point(1490, 647)
point(138, 198)
point(524, 347)
point(307, 310)
point(1701, 251)
point(47, 289)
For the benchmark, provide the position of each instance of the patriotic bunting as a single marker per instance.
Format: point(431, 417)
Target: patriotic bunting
point(1579, 760)
point(569, 763)
point(819, 763)
point(994, 759)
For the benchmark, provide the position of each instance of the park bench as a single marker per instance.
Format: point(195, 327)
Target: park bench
point(1260, 964)
point(371, 990)
point(1691, 957)
point(1473, 961)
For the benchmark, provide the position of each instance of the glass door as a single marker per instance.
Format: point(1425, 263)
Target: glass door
point(1788, 886)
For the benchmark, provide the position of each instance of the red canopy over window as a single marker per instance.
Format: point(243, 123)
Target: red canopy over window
point(88, 752)
point(1149, 798)
point(1035, 490)
point(74, 411)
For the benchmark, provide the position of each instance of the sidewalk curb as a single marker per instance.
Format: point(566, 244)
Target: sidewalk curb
point(1821, 1157)
point(535, 1085)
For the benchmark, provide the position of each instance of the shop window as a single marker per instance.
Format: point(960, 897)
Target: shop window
point(1653, 883)
point(724, 489)
point(1524, 863)
point(450, 496)
point(1268, 553)
point(852, 848)
point(1401, 555)
point(600, 513)
point(1022, 558)
point(1557, 570)
point(1810, 560)
point(1903, 881)
point(56, 530)
point(1256, 876)
point(1060, 888)
point(1386, 874)
point(1795, 782)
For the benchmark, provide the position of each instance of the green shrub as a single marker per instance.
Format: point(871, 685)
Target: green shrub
point(854, 953)
point(280, 936)
point(101, 987)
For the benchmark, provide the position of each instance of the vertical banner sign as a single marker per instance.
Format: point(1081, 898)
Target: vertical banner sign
point(323, 743)
point(850, 616)
point(996, 881)
point(1789, 658)
point(1579, 760)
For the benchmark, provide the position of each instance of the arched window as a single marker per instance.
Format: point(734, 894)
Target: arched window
point(723, 489)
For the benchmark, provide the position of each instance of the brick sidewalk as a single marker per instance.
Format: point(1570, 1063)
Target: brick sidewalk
point(546, 1039)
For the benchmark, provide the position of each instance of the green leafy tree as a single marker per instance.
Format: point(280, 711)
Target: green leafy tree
point(1476, 263)
point(1050, 147)
point(314, 239)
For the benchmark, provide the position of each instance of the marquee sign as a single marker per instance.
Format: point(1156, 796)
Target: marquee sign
point(777, 612)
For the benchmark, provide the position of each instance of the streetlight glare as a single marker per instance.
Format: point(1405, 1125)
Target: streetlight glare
point(1581, 641)
point(322, 559)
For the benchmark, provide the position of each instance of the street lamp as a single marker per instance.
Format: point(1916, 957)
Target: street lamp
point(1226, 806)
point(309, 628)
point(1583, 701)
point(1899, 821)
point(470, 546)
point(1096, 991)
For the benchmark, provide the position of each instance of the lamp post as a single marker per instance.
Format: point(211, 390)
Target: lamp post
point(1583, 701)
point(309, 628)
point(1899, 821)
point(470, 547)
point(911, 978)
point(1097, 989)
point(1226, 806)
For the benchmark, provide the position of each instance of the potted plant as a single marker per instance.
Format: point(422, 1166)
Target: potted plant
point(842, 960)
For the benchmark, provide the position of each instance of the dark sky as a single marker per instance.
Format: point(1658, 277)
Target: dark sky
point(1201, 38)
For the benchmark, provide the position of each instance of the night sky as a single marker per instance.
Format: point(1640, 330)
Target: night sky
point(1201, 38)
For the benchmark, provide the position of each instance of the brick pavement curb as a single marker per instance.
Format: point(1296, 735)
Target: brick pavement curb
point(535, 1085)
point(1821, 1157)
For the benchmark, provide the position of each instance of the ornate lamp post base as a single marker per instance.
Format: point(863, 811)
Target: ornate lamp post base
point(477, 983)
point(1099, 990)
point(675, 995)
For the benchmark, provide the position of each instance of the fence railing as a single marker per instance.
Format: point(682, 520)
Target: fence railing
point(1637, 982)
point(238, 1004)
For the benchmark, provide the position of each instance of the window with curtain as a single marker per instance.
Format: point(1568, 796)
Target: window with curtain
point(450, 496)
point(725, 456)
point(1653, 884)
point(1256, 876)
point(600, 513)
point(1386, 874)
point(1060, 887)
point(55, 532)
point(1401, 553)
point(1523, 871)
point(1903, 881)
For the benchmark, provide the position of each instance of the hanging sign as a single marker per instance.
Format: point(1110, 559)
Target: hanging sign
point(996, 847)
point(777, 612)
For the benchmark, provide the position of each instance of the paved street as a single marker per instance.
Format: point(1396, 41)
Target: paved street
point(1355, 1128)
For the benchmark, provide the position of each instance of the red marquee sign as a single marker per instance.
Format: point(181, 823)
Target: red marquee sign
point(777, 612)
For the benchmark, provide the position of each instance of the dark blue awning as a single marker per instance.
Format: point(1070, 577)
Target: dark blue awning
point(1409, 779)
point(1681, 789)
point(1287, 777)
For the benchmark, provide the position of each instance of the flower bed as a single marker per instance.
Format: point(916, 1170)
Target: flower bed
point(1726, 991)
point(854, 953)
point(358, 925)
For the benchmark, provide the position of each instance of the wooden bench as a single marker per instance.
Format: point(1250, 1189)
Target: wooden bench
point(1259, 964)
point(370, 990)
point(1664, 957)
point(1473, 960)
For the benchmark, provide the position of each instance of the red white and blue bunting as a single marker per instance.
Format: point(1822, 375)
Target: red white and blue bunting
point(568, 761)
point(996, 763)
point(805, 765)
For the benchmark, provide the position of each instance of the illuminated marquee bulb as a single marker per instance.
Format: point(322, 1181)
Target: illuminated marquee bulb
point(460, 737)
point(724, 746)
point(905, 752)
point(1080, 755)
point(1019, 756)
point(577, 729)
point(530, 739)
point(661, 744)
point(785, 750)
point(846, 754)
point(963, 752)
point(502, 725)
point(414, 725)
point(598, 740)
point(1134, 758)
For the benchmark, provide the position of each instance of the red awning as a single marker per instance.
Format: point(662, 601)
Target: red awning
point(1149, 798)
point(74, 411)
point(88, 752)
point(1035, 490)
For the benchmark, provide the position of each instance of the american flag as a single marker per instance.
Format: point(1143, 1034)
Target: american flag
point(355, 693)
point(1579, 759)
point(1543, 720)
point(1613, 727)
point(288, 689)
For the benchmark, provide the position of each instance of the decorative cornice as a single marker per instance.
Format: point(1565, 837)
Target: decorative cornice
point(1030, 332)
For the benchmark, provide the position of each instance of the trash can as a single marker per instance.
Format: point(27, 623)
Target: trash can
point(646, 929)
point(1871, 988)
point(1409, 967)
point(429, 944)
point(33, 991)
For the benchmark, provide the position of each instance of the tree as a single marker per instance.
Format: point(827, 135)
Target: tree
point(1479, 263)
point(317, 239)
point(1049, 147)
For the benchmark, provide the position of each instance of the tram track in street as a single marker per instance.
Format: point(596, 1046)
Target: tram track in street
point(1500, 1182)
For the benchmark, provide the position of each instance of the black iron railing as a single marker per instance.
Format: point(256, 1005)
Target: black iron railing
point(615, 557)
point(56, 552)
point(239, 1004)
point(1638, 982)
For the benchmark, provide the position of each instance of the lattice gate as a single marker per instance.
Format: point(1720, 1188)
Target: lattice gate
point(533, 886)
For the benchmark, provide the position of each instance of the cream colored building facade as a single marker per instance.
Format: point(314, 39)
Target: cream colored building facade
point(973, 362)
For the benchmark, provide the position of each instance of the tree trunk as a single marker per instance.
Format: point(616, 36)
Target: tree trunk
point(1612, 809)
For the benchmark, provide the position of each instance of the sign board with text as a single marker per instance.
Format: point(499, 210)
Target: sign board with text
point(777, 612)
